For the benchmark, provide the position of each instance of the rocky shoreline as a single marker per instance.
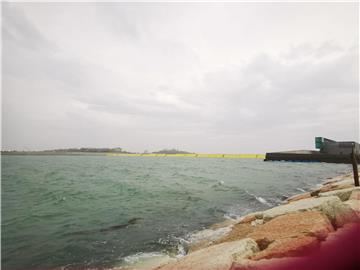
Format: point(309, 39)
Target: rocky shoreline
point(304, 224)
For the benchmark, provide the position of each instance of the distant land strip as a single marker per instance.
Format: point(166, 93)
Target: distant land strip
point(112, 153)
point(261, 156)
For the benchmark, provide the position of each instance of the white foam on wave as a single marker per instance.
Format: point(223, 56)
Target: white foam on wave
point(262, 200)
point(140, 256)
point(146, 259)
point(301, 190)
point(233, 216)
point(259, 199)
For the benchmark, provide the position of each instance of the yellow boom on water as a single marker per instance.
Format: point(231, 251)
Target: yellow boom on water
point(261, 156)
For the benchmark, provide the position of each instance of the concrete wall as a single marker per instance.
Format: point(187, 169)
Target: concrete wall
point(339, 148)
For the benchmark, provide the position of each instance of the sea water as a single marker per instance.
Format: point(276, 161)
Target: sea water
point(102, 211)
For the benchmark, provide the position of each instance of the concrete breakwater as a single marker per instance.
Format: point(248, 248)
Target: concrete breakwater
point(308, 223)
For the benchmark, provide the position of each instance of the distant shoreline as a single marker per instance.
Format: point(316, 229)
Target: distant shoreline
point(115, 154)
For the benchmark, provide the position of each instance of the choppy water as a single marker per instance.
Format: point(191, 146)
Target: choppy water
point(107, 211)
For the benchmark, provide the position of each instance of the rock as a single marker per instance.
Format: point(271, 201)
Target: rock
point(330, 187)
point(291, 235)
point(248, 218)
point(301, 205)
point(225, 223)
point(338, 213)
point(298, 197)
point(348, 181)
point(338, 234)
point(239, 231)
point(331, 181)
point(354, 205)
point(288, 247)
point(217, 257)
point(343, 194)
point(312, 223)
point(264, 264)
point(355, 194)
point(257, 222)
point(205, 238)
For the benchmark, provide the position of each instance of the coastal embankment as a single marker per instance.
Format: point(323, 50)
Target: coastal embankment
point(318, 229)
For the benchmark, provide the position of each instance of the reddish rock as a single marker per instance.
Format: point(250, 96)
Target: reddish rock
point(248, 218)
point(291, 234)
point(288, 247)
point(336, 253)
point(312, 223)
point(299, 197)
point(239, 231)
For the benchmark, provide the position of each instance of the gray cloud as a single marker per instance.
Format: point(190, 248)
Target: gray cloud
point(201, 77)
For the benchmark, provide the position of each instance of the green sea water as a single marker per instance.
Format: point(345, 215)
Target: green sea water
point(100, 211)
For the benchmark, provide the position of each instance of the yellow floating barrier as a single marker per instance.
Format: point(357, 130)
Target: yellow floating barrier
point(260, 156)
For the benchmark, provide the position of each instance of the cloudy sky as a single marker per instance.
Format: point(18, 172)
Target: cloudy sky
point(202, 77)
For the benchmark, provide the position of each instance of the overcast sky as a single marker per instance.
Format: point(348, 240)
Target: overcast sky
point(226, 78)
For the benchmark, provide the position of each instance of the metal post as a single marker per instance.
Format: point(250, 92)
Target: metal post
point(355, 167)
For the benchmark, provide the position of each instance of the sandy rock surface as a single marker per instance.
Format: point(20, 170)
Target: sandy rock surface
point(291, 234)
point(217, 257)
point(301, 205)
point(343, 194)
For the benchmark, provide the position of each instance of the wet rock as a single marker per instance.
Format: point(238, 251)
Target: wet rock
point(217, 257)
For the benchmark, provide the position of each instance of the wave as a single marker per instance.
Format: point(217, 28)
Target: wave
point(259, 199)
point(145, 258)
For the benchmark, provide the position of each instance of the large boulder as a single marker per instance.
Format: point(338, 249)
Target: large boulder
point(205, 238)
point(239, 231)
point(288, 247)
point(343, 194)
point(355, 194)
point(291, 234)
point(346, 183)
point(217, 257)
point(338, 213)
point(266, 264)
point(354, 205)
